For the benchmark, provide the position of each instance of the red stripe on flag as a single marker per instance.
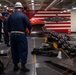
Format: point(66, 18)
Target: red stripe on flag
point(58, 23)
point(52, 13)
point(56, 26)
point(66, 30)
point(51, 16)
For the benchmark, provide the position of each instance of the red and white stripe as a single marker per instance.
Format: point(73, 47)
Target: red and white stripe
point(55, 26)
point(37, 15)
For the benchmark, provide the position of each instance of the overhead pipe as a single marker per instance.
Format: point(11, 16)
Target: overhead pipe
point(53, 3)
point(11, 3)
point(59, 2)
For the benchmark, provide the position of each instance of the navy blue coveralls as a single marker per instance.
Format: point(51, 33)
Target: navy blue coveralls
point(6, 36)
point(19, 44)
point(0, 29)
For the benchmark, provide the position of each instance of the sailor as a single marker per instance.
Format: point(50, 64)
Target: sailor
point(0, 28)
point(6, 36)
point(17, 24)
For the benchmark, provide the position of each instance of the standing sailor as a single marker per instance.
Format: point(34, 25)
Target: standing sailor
point(17, 24)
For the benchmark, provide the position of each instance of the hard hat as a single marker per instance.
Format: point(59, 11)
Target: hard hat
point(18, 5)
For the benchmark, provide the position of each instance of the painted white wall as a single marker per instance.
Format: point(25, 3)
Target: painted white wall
point(73, 21)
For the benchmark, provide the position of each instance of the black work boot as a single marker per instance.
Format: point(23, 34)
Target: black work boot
point(23, 68)
point(16, 67)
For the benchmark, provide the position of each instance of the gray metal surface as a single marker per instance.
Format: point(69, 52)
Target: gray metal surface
point(47, 71)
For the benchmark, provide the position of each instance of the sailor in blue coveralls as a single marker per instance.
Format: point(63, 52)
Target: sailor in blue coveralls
point(0, 29)
point(6, 36)
point(17, 23)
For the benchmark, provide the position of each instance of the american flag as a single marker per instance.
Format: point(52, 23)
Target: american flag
point(63, 26)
